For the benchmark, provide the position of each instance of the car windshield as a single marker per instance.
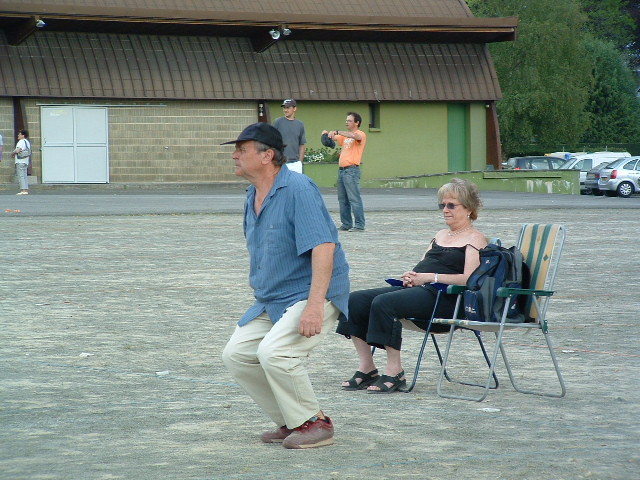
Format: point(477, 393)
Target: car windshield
point(555, 162)
point(567, 164)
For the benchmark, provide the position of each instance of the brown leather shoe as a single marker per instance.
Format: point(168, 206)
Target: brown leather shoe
point(276, 436)
point(315, 432)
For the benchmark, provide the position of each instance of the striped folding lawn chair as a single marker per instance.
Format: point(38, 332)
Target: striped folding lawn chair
point(541, 246)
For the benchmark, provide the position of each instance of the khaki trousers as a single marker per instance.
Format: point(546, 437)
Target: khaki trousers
point(268, 361)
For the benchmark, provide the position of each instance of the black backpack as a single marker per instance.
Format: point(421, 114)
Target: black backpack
point(499, 267)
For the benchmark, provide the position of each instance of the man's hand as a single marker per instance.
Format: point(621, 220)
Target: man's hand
point(312, 316)
point(311, 321)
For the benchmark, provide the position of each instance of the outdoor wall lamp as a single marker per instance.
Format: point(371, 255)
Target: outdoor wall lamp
point(276, 33)
point(39, 22)
point(262, 42)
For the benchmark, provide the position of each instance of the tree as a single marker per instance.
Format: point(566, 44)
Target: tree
point(613, 105)
point(545, 74)
point(610, 20)
point(633, 8)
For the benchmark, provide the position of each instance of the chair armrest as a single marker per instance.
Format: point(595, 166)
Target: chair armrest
point(507, 292)
point(456, 289)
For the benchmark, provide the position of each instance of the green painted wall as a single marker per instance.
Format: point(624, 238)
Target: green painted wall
point(477, 136)
point(557, 181)
point(411, 140)
point(324, 174)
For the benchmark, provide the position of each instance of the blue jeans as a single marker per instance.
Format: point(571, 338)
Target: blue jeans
point(349, 198)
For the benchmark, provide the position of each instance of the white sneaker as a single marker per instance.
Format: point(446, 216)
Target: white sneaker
point(22, 193)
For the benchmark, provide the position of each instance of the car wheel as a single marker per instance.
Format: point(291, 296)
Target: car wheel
point(597, 192)
point(625, 189)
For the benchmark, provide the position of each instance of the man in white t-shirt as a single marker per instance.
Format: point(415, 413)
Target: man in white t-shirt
point(22, 155)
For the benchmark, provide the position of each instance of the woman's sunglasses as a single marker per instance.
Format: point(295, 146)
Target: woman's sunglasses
point(449, 205)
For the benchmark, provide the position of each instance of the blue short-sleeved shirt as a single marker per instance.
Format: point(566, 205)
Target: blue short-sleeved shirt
point(293, 220)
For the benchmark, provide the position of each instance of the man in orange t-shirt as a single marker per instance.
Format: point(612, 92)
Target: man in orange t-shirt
point(353, 141)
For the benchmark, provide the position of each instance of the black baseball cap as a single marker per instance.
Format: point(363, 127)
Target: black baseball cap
point(326, 141)
point(260, 132)
point(289, 102)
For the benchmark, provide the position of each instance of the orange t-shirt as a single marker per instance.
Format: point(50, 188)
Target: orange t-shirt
point(352, 149)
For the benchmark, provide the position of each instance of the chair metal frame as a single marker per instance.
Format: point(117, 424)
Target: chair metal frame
point(542, 254)
point(409, 325)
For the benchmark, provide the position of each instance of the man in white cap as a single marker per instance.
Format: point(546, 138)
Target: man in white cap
point(293, 135)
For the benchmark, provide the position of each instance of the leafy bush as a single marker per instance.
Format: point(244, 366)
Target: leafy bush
point(322, 154)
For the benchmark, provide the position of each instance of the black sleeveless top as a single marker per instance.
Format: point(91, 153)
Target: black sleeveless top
point(442, 260)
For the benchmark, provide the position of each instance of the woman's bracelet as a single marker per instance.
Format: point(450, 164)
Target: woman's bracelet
point(435, 278)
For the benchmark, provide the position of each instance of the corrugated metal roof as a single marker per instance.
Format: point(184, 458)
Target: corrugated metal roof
point(72, 64)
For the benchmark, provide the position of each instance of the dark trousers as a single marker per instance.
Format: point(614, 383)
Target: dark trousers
point(373, 313)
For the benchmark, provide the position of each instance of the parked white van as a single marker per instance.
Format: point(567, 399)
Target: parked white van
point(587, 161)
point(565, 155)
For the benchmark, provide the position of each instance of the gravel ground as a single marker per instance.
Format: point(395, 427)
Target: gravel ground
point(113, 324)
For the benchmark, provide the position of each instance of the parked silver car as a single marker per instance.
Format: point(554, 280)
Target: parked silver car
point(588, 161)
point(621, 178)
point(593, 175)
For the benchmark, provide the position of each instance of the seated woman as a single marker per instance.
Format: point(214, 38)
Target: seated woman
point(451, 257)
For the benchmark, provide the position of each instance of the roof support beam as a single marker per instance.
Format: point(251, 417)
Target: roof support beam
point(417, 29)
point(19, 32)
point(262, 43)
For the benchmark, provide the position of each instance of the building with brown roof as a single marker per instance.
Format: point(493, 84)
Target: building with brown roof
point(146, 90)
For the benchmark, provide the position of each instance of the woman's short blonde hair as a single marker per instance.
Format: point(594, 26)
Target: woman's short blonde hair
point(465, 192)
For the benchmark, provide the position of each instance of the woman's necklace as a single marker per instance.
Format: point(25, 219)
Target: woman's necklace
point(453, 234)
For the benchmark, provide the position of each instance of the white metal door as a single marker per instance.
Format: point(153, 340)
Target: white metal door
point(74, 144)
point(57, 144)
